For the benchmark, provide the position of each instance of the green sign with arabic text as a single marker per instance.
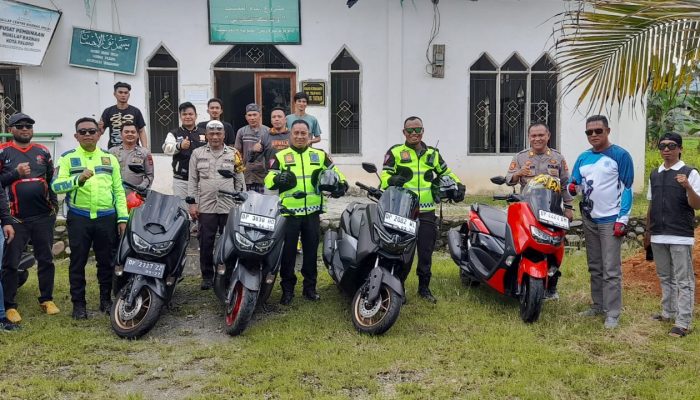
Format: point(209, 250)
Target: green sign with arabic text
point(254, 21)
point(104, 50)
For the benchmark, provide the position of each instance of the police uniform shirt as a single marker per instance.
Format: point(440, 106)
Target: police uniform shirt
point(136, 156)
point(551, 162)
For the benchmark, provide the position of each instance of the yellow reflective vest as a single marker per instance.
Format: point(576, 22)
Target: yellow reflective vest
point(306, 165)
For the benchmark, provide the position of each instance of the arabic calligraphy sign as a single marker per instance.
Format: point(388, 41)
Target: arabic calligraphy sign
point(104, 50)
point(254, 21)
point(25, 32)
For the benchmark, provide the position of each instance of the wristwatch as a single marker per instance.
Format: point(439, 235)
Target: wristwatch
point(190, 200)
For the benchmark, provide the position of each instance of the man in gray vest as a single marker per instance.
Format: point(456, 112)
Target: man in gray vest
point(674, 192)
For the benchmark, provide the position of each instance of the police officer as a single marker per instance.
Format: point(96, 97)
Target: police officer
point(295, 170)
point(129, 153)
point(540, 159)
point(415, 166)
point(90, 178)
point(205, 204)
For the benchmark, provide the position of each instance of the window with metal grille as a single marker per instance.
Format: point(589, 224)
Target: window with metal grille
point(162, 97)
point(345, 104)
point(505, 99)
point(10, 101)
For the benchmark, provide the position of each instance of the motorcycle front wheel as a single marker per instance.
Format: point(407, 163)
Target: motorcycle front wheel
point(240, 309)
point(531, 298)
point(376, 318)
point(135, 321)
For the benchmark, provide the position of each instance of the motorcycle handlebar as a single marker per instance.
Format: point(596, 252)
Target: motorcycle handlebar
point(135, 188)
point(371, 191)
point(500, 197)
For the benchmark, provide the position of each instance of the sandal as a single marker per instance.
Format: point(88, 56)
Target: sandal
point(677, 331)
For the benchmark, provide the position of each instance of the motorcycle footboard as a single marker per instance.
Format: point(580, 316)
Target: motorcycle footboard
point(329, 240)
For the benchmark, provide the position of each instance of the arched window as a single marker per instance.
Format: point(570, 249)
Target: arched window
point(345, 104)
point(500, 113)
point(162, 97)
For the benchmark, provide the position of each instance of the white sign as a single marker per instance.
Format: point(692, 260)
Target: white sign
point(25, 32)
point(258, 221)
point(557, 220)
point(400, 223)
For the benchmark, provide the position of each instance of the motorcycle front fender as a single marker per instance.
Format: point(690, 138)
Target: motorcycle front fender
point(378, 276)
point(137, 282)
point(533, 269)
point(250, 279)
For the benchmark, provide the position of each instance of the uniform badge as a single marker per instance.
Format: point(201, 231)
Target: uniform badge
point(405, 156)
point(289, 159)
point(553, 161)
point(136, 160)
point(106, 161)
point(314, 158)
point(74, 162)
point(40, 159)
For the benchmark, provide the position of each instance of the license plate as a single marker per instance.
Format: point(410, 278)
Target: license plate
point(400, 223)
point(146, 268)
point(557, 220)
point(258, 221)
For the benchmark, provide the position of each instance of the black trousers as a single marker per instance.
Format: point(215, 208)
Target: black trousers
point(40, 231)
point(209, 224)
point(427, 235)
point(85, 233)
point(308, 226)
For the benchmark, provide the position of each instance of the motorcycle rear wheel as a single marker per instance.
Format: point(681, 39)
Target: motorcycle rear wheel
point(240, 309)
point(134, 322)
point(531, 299)
point(381, 316)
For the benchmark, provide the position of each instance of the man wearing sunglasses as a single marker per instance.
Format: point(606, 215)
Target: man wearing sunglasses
point(415, 166)
point(26, 170)
point(604, 175)
point(91, 179)
point(541, 159)
point(674, 193)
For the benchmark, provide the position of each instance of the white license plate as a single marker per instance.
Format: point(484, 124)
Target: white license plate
point(400, 223)
point(258, 221)
point(557, 220)
point(146, 268)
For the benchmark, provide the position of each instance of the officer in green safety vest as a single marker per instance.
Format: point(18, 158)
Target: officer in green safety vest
point(418, 167)
point(295, 173)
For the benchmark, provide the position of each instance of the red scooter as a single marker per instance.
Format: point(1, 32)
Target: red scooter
point(517, 251)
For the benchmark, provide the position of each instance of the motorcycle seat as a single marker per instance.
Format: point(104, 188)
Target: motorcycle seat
point(495, 220)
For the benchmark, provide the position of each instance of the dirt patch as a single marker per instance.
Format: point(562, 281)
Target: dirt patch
point(639, 273)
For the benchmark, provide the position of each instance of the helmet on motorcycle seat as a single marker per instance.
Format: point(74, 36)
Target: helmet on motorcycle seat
point(444, 188)
point(133, 200)
point(328, 181)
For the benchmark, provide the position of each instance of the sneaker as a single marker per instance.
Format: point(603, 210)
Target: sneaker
point(105, 305)
point(425, 293)
point(13, 316)
point(611, 322)
point(286, 298)
point(7, 326)
point(591, 312)
point(551, 294)
point(49, 307)
point(311, 294)
point(79, 311)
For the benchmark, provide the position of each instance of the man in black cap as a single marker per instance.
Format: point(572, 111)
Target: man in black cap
point(26, 171)
point(248, 143)
point(674, 193)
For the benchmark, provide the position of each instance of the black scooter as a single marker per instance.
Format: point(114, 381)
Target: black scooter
point(149, 263)
point(247, 256)
point(371, 252)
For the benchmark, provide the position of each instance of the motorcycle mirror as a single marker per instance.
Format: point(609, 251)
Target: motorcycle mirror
point(498, 180)
point(137, 169)
point(225, 173)
point(299, 195)
point(369, 167)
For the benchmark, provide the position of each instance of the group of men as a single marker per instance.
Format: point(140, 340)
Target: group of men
point(282, 159)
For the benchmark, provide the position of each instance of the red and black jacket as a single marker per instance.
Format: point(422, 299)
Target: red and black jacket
point(28, 196)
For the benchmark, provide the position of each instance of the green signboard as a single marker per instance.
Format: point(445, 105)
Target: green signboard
point(104, 50)
point(254, 21)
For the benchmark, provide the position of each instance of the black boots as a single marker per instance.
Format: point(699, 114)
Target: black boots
point(79, 311)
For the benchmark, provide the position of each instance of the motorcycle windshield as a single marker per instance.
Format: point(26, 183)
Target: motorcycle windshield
point(261, 204)
point(543, 194)
point(398, 201)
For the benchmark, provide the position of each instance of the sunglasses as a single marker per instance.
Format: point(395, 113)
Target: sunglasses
point(670, 146)
point(24, 126)
point(597, 131)
point(84, 132)
point(417, 131)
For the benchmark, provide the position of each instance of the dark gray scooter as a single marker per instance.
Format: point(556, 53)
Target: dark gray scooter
point(371, 252)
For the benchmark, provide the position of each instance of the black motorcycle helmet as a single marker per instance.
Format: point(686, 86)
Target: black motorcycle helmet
point(444, 188)
point(328, 181)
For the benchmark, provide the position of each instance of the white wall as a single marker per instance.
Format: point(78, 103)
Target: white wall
point(388, 40)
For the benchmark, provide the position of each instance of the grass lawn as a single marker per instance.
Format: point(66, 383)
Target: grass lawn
point(472, 344)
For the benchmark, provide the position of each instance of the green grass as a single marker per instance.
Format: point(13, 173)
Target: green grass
point(472, 344)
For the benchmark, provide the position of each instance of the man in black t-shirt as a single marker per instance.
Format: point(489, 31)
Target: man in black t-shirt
point(215, 109)
point(113, 117)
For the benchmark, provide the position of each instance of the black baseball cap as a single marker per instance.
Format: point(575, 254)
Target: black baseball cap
point(673, 136)
point(15, 118)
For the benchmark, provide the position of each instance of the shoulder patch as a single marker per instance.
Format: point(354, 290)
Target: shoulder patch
point(395, 146)
point(68, 152)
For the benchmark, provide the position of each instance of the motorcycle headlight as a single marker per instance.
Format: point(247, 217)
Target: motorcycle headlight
point(264, 245)
point(162, 247)
point(155, 249)
point(543, 237)
point(243, 242)
point(140, 245)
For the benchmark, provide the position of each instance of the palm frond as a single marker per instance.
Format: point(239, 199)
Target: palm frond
point(617, 50)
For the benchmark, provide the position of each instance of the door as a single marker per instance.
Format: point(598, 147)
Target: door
point(162, 106)
point(274, 89)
